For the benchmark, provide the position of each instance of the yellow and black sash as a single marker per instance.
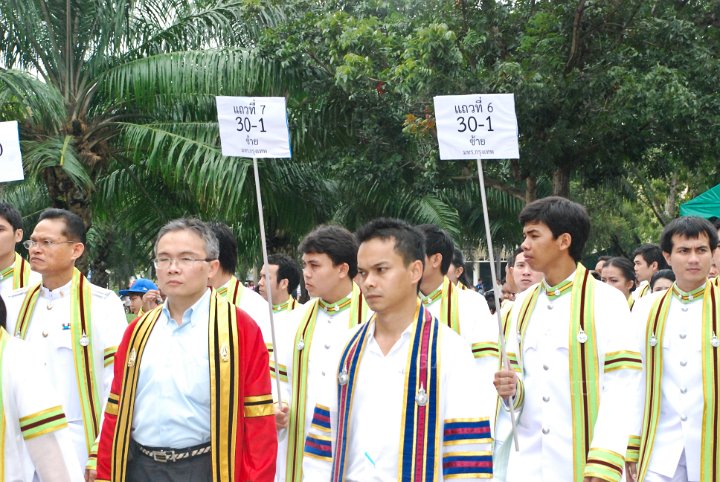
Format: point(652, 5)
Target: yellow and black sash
point(225, 389)
point(19, 270)
point(300, 364)
point(654, 334)
point(449, 311)
point(82, 347)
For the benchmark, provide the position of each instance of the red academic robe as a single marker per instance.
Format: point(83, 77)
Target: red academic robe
point(249, 405)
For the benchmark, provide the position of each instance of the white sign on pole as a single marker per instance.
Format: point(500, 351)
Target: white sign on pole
point(253, 127)
point(477, 126)
point(10, 158)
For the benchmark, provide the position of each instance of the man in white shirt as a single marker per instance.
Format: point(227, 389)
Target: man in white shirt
point(648, 260)
point(578, 365)
point(15, 271)
point(35, 437)
point(309, 351)
point(676, 438)
point(407, 408)
point(232, 289)
point(73, 326)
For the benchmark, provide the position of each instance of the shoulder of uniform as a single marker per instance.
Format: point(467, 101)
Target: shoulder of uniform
point(101, 292)
point(18, 293)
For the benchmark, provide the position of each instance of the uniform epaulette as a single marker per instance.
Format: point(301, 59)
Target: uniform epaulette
point(99, 291)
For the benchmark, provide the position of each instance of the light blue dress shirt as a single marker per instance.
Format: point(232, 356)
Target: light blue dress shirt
point(172, 403)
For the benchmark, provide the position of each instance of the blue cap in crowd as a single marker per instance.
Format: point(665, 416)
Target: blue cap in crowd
point(140, 286)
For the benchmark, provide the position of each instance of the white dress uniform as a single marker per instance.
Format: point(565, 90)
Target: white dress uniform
point(50, 335)
point(253, 304)
point(679, 429)
point(35, 433)
point(331, 331)
point(544, 423)
point(479, 328)
point(7, 283)
point(377, 417)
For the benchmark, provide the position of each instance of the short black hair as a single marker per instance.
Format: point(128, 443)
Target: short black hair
point(438, 241)
point(74, 225)
point(287, 269)
point(409, 241)
point(511, 260)
point(561, 216)
point(336, 242)
point(228, 246)
point(715, 221)
point(651, 253)
point(3, 313)
point(625, 265)
point(459, 262)
point(663, 273)
point(11, 215)
point(690, 227)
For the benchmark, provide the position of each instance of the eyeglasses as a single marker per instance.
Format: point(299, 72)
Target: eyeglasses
point(44, 243)
point(164, 263)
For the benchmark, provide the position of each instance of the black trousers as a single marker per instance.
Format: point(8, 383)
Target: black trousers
point(142, 468)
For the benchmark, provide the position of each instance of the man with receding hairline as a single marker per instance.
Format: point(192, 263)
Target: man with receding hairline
point(73, 326)
point(190, 401)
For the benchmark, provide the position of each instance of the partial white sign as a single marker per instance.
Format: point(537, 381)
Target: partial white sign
point(10, 158)
point(477, 126)
point(254, 127)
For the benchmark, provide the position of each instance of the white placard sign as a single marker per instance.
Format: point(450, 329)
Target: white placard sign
point(254, 127)
point(477, 126)
point(10, 158)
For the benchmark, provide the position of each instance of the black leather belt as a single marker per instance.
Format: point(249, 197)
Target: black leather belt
point(173, 455)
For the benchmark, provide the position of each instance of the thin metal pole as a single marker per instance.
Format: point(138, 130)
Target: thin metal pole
point(267, 277)
point(491, 253)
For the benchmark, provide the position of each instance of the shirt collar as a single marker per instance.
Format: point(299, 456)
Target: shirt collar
point(57, 292)
point(196, 312)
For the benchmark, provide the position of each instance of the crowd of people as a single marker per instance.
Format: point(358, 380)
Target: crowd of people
point(394, 369)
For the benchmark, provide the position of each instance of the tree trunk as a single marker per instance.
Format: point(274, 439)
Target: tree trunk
point(530, 189)
point(561, 182)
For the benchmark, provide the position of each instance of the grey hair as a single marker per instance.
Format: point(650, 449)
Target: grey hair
point(201, 228)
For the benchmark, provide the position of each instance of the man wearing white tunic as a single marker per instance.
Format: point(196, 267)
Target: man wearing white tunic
point(402, 405)
point(676, 439)
point(33, 427)
point(308, 351)
point(73, 326)
point(464, 311)
point(15, 272)
point(577, 366)
point(232, 289)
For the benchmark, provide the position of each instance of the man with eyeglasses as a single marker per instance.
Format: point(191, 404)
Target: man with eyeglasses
point(15, 271)
point(191, 397)
point(73, 326)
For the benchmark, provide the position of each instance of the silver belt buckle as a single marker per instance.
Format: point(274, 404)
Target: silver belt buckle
point(164, 456)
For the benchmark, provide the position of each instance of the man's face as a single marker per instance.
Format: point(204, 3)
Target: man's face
point(540, 248)
point(189, 279)
point(279, 292)
point(9, 237)
point(690, 260)
point(135, 302)
point(523, 275)
point(57, 257)
point(384, 279)
point(321, 275)
point(643, 270)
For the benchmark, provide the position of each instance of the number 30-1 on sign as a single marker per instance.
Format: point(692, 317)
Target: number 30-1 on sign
point(477, 126)
point(10, 158)
point(254, 127)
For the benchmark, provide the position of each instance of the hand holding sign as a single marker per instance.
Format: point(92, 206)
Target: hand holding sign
point(10, 158)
